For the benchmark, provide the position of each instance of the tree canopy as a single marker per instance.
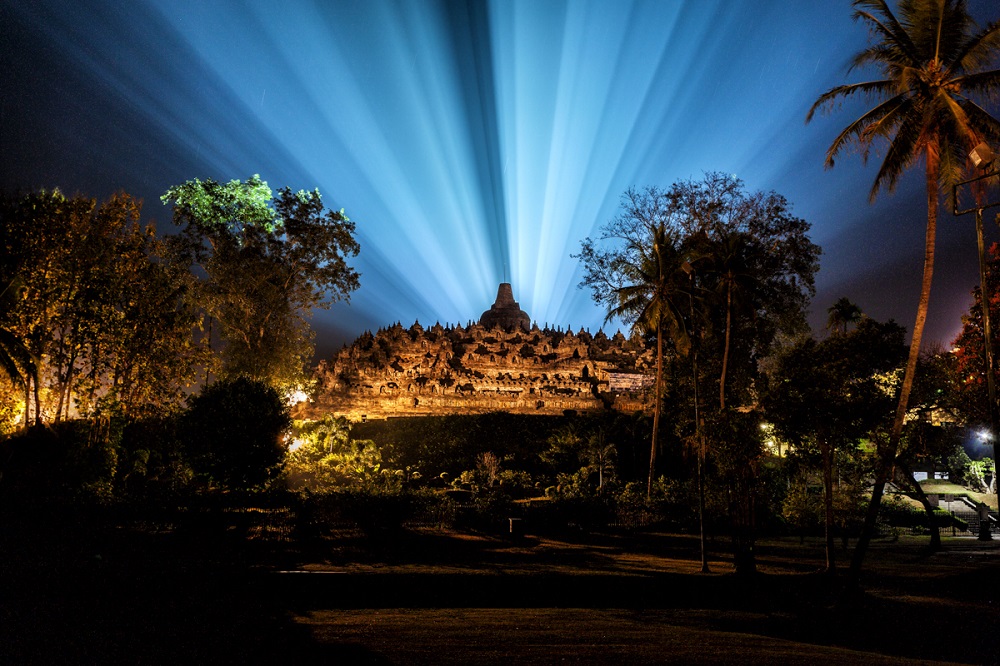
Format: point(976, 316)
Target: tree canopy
point(704, 261)
point(266, 263)
point(92, 297)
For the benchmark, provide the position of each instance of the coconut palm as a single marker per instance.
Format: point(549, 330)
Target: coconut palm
point(651, 299)
point(641, 281)
point(932, 59)
point(841, 314)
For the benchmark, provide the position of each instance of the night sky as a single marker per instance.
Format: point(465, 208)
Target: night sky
point(472, 143)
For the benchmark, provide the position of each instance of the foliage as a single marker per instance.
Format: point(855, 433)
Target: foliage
point(640, 280)
point(267, 262)
point(832, 394)
point(897, 512)
point(839, 388)
point(737, 449)
point(588, 452)
point(95, 300)
point(754, 268)
point(234, 433)
point(958, 462)
point(324, 458)
point(969, 354)
point(378, 513)
point(842, 314)
point(982, 475)
point(72, 461)
point(704, 257)
point(802, 507)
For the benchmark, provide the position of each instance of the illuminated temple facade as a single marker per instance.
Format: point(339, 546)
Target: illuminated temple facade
point(500, 363)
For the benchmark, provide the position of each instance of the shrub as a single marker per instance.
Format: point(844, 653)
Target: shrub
point(234, 433)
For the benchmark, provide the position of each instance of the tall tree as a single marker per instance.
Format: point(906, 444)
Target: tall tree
point(932, 59)
point(639, 279)
point(755, 270)
point(842, 314)
point(835, 392)
point(267, 263)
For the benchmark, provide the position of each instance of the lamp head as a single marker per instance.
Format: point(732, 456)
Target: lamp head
point(982, 156)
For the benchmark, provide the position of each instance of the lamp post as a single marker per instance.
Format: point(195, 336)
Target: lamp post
point(982, 157)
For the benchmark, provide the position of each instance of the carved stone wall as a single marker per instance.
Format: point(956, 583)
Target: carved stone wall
point(456, 370)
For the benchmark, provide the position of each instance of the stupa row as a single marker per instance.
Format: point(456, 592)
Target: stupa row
point(498, 364)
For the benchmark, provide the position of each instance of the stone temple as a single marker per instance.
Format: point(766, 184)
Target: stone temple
point(501, 363)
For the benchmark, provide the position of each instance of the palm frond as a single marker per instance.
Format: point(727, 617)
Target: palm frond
point(979, 51)
point(900, 155)
point(888, 27)
point(877, 122)
point(986, 125)
point(869, 88)
point(987, 83)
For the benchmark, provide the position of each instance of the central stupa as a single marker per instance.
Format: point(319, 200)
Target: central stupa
point(505, 312)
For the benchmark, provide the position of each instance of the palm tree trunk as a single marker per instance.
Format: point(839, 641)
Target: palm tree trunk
point(656, 408)
point(725, 351)
point(887, 457)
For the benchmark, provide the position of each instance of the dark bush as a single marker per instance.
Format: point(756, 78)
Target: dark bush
point(233, 433)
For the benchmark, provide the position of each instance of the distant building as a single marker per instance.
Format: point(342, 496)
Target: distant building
point(501, 363)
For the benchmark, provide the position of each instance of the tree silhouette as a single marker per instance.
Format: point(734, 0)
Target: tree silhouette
point(842, 314)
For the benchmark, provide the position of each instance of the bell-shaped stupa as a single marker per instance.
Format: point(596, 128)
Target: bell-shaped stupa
point(505, 312)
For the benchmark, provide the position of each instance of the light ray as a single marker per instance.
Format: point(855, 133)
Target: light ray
point(473, 142)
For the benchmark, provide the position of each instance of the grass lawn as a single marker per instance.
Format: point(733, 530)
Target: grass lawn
point(75, 588)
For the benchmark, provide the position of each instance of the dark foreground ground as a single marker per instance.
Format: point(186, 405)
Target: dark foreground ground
point(77, 587)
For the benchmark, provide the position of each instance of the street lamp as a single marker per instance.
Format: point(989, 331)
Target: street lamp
point(982, 158)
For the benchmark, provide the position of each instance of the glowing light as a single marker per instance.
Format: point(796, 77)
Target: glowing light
point(295, 444)
point(473, 142)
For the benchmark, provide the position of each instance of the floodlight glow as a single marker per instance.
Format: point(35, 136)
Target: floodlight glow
point(472, 142)
point(296, 397)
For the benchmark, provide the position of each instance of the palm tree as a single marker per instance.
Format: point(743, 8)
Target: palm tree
point(640, 282)
point(931, 59)
point(841, 314)
point(650, 300)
